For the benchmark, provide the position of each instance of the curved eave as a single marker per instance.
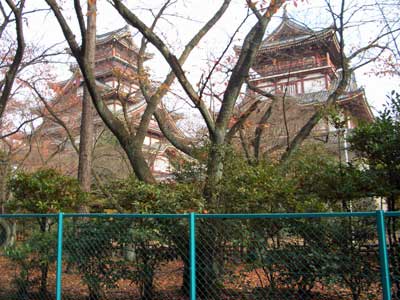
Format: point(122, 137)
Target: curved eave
point(69, 83)
point(327, 38)
point(121, 40)
point(356, 103)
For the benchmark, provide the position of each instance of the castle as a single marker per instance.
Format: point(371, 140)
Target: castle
point(116, 77)
point(303, 67)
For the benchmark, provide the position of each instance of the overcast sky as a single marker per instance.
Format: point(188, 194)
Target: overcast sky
point(44, 30)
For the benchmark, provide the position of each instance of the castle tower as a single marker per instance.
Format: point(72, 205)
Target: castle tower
point(297, 59)
point(304, 65)
point(117, 80)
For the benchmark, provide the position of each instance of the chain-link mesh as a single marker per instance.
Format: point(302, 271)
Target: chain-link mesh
point(28, 249)
point(124, 258)
point(148, 258)
point(393, 242)
point(321, 258)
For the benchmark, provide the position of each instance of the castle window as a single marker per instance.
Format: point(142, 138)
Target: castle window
point(289, 88)
point(309, 61)
point(314, 85)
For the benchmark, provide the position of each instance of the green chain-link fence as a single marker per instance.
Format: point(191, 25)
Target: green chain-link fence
point(200, 256)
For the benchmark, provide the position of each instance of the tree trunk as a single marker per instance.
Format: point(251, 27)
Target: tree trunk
point(86, 130)
point(147, 280)
point(44, 267)
point(138, 162)
point(214, 175)
point(4, 171)
point(208, 286)
point(148, 284)
point(394, 248)
point(86, 143)
point(207, 275)
point(96, 293)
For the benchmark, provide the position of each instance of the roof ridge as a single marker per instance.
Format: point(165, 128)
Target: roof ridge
point(124, 29)
point(288, 22)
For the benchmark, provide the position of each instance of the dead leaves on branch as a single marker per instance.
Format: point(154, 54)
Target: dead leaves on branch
point(271, 6)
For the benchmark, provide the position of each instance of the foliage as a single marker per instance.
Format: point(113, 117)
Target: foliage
point(169, 197)
point(107, 250)
point(351, 263)
point(378, 144)
point(255, 188)
point(34, 255)
point(312, 180)
point(44, 191)
point(323, 183)
point(90, 246)
point(295, 255)
point(143, 242)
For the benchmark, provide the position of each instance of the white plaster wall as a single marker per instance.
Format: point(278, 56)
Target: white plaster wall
point(314, 85)
point(161, 164)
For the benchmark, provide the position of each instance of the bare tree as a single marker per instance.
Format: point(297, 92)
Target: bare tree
point(7, 83)
point(86, 132)
point(131, 142)
point(345, 16)
point(341, 20)
point(218, 129)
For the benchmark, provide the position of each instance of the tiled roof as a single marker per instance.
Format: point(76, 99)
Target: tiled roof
point(291, 32)
point(114, 33)
point(322, 96)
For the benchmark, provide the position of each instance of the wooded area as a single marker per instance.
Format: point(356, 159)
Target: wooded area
point(249, 129)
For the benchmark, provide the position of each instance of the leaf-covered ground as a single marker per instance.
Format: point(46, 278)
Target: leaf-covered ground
point(167, 282)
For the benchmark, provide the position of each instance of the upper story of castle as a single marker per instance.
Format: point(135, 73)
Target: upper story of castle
point(305, 64)
point(297, 60)
point(116, 58)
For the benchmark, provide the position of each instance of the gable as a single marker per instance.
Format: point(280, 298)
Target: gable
point(288, 30)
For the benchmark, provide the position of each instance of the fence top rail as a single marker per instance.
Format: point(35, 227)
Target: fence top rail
point(207, 216)
point(392, 213)
point(27, 216)
point(126, 215)
point(286, 215)
point(97, 215)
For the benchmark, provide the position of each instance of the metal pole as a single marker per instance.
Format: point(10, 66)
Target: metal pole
point(59, 255)
point(192, 247)
point(383, 256)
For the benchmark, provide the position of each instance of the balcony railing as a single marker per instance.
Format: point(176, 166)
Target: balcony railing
point(294, 66)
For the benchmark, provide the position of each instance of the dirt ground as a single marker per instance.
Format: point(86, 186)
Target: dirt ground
point(168, 280)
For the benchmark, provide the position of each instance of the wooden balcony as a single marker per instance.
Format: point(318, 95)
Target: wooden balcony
point(293, 66)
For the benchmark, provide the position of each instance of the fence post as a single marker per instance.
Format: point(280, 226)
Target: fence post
point(59, 255)
point(383, 256)
point(192, 247)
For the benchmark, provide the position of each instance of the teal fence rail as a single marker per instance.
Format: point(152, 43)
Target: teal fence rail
point(200, 256)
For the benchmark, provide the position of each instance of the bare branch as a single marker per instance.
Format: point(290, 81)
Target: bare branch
point(174, 63)
point(81, 22)
point(12, 71)
point(20, 127)
point(57, 119)
point(240, 72)
point(242, 119)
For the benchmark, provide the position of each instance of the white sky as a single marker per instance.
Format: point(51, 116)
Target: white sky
point(44, 30)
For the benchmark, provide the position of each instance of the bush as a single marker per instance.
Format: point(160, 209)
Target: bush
point(90, 246)
point(295, 255)
point(44, 191)
point(35, 254)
